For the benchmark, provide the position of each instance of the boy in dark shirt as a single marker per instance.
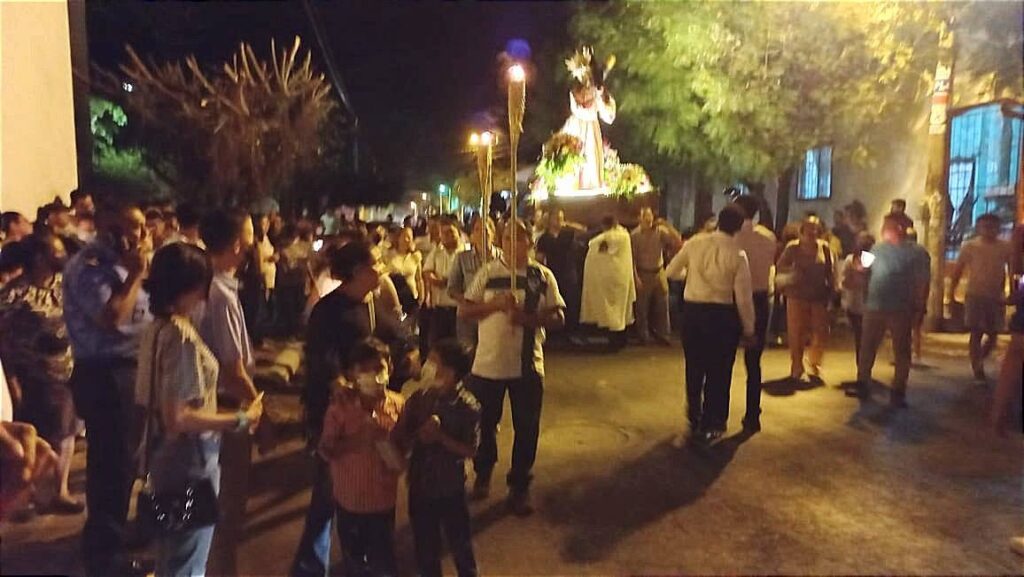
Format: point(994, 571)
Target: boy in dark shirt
point(441, 427)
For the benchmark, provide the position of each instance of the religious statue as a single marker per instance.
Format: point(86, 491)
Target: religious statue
point(576, 161)
point(590, 104)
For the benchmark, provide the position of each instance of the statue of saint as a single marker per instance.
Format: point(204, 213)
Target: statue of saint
point(590, 104)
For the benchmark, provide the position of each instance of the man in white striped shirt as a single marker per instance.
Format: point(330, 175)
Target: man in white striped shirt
point(718, 308)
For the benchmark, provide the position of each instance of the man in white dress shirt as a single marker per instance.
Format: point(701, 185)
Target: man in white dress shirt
point(718, 308)
point(760, 245)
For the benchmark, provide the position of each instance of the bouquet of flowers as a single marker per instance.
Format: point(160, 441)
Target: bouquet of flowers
point(562, 155)
point(612, 169)
point(632, 180)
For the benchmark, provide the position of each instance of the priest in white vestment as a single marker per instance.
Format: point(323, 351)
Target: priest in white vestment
point(609, 287)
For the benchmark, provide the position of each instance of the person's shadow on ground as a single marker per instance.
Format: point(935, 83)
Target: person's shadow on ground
point(787, 387)
point(603, 511)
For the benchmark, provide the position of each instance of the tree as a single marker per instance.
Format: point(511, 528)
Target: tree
point(117, 166)
point(740, 91)
point(236, 133)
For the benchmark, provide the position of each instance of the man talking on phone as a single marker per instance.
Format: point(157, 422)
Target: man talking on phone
point(106, 310)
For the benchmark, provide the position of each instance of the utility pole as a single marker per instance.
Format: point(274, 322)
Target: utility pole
point(937, 185)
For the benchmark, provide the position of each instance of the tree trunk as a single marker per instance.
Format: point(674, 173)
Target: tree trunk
point(703, 203)
point(785, 187)
point(936, 190)
point(764, 212)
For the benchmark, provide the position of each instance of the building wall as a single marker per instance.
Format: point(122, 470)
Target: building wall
point(898, 169)
point(37, 124)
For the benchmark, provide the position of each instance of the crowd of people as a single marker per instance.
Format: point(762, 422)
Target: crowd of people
point(138, 325)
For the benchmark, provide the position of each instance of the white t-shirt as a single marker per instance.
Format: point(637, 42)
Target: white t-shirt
point(440, 261)
point(409, 265)
point(269, 267)
point(499, 353)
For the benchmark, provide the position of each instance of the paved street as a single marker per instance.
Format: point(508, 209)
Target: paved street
point(831, 486)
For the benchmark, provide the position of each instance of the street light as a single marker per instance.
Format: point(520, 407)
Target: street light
point(443, 191)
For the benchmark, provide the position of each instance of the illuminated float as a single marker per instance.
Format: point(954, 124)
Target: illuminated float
point(578, 168)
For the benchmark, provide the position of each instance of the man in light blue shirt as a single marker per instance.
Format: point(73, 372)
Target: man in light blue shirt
point(229, 237)
point(897, 289)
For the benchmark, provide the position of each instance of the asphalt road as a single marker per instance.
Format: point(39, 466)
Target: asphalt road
point(830, 486)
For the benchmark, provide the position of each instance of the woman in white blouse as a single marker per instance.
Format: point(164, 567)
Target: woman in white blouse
point(406, 261)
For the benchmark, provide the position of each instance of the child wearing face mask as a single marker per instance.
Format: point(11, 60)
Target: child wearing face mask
point(364, 464)
point(441, 427)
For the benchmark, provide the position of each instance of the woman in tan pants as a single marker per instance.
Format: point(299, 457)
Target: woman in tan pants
point(807, 269)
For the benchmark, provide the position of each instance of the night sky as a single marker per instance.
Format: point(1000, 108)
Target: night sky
point(420, 75)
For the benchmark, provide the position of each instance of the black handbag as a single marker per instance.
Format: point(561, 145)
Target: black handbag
point(193, 506)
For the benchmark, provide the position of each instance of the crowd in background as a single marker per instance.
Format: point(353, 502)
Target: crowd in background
point(138, 324)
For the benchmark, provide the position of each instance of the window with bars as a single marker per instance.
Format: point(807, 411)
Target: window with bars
point(814, 180)
point(984, 164)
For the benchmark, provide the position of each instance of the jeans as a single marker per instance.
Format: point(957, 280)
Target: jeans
point(427, 517)
point(367, 543)
point(183, 554)
point(876, 323)
point(527, 397)
point(235, 461)
point(711, 335)
point(652, 305)
point(313, 558)
point(104, 396)
point(806, 320)
point(442, 324)
point(856, 323)
point(752, 356)
point(425, 317)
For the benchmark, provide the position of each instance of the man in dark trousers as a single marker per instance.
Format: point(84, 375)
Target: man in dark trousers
point(760, 246)
point(342, 318)
point(106, 311)
point(718, 308)
point(510, 358)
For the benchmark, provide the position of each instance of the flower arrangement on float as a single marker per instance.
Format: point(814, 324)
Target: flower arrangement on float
point(562, 155)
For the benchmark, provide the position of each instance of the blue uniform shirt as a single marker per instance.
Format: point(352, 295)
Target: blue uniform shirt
point(90, 279)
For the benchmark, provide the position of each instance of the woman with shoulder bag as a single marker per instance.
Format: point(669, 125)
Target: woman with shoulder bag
point(177, 383)
point(808, 267)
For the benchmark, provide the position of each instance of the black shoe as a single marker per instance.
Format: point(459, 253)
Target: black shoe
point(519, 502)
point(860, 390)
point(481, 488)
point(709, 437)
point(898, 401)
point(752, 425)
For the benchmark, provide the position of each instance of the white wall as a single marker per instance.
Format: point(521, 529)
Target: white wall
point(37, 124)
